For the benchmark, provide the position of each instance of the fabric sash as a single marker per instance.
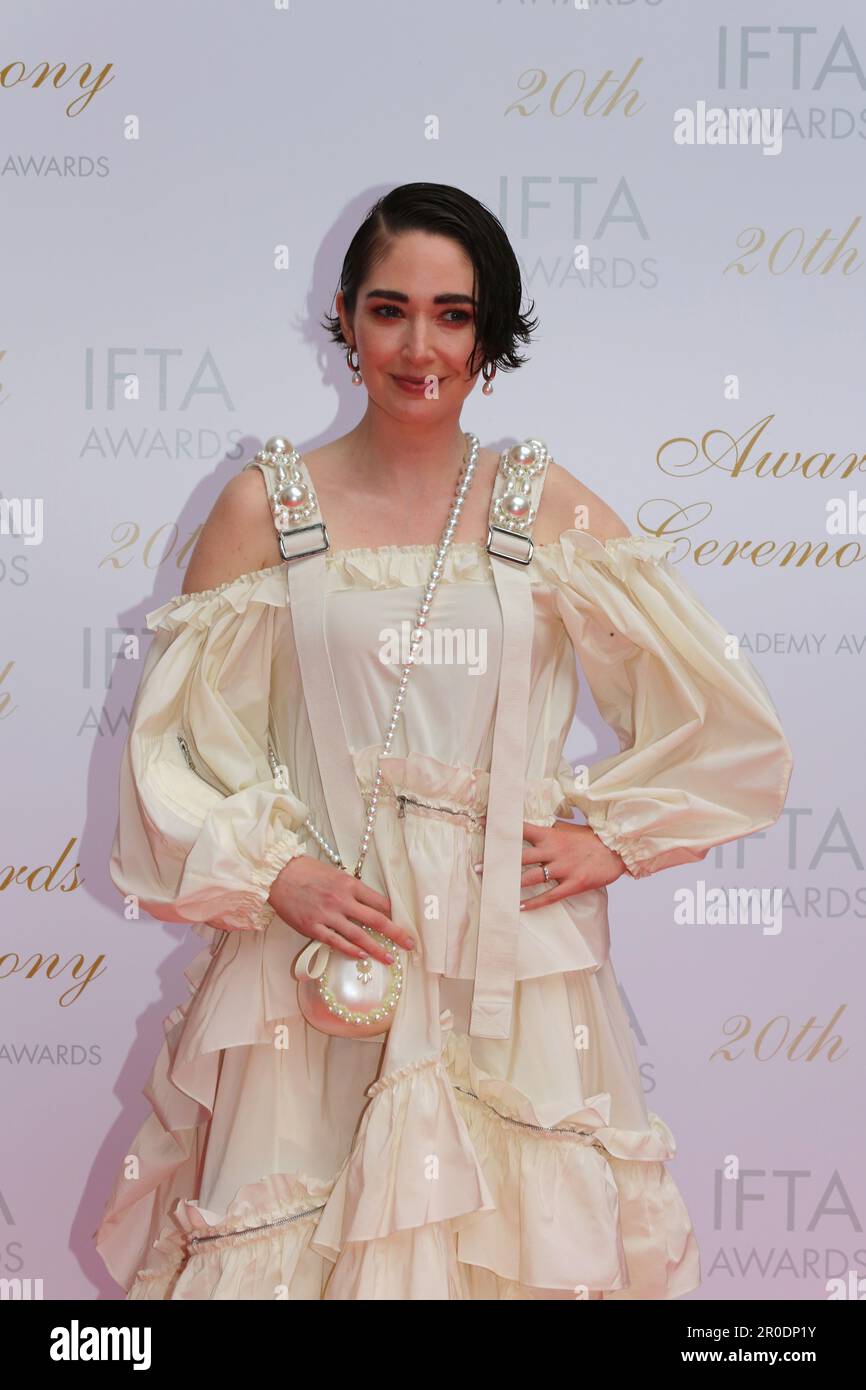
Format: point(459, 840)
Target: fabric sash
point(499, 915)
point(305, 545)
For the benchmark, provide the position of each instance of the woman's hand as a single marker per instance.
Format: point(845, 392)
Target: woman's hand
point(326, 903)
point(577, 860)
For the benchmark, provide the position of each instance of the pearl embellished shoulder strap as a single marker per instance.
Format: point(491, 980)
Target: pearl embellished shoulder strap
point(514, 503)
point(515, 499)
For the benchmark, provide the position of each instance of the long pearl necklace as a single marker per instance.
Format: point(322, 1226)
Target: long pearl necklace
point(464, 483)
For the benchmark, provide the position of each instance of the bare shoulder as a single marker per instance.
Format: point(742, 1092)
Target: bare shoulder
point(238, 537)
point(563, 494)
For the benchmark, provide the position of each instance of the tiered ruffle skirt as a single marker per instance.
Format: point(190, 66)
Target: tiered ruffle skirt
point(277, 1163)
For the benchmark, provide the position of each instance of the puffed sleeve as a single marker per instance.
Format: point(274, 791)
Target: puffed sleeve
point(703, 758)
point(204, 825)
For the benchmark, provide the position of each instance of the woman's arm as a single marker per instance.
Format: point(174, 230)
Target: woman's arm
point(203, 826)
point(238, 537)
point(703, 757)
point(568, 504)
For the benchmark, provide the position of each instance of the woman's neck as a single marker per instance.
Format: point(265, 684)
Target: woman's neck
point(408, 460)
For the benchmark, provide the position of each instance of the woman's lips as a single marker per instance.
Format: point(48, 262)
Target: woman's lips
point(413, 385)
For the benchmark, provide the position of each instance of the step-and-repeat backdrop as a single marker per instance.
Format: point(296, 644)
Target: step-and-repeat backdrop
point(682, 184)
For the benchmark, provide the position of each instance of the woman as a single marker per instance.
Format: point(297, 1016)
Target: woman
point(493, 1142)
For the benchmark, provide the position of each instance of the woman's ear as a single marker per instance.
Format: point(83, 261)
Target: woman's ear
point(345, 322)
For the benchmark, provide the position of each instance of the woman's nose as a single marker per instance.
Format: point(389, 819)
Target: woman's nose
point(419, 339)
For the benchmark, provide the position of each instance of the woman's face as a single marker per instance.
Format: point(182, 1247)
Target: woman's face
point(401, 331)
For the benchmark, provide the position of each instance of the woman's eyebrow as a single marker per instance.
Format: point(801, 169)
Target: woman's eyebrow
point(402, 298)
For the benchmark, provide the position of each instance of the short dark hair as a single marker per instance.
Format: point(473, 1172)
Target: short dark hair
point(443, 210)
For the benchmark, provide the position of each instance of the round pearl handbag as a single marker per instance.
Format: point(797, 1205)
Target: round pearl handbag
point(347, 996)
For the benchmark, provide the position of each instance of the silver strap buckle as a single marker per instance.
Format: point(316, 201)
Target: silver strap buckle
point(512, 541)
point(289, 553)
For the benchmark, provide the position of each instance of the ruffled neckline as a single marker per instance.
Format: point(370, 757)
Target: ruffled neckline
point(397, 566)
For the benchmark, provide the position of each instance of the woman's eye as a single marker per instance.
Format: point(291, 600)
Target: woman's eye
point(387, 310)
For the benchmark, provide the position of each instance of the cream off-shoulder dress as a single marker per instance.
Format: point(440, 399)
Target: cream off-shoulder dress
point(495, 1142)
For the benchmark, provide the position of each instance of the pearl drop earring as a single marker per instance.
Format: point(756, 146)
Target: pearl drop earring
point(487, 388)
point(356, 375)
